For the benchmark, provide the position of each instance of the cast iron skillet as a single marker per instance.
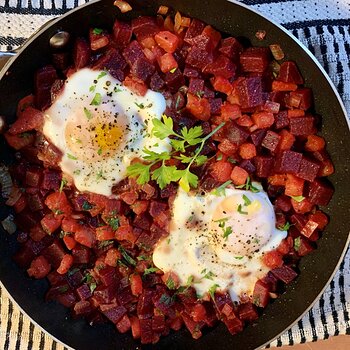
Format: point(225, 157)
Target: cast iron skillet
point(316, 269)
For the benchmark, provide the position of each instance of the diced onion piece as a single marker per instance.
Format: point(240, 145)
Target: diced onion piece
point(14, 196)
point(169, 24)
point(163, 10)
point(177, 24)
point(8, 225)
point(185, 21)
point(277, 52)
point(123, 6)
point(260, 34)
point(5, 182)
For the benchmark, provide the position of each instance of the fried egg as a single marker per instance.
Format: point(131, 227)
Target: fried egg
point(100, 125)
point(219, 240)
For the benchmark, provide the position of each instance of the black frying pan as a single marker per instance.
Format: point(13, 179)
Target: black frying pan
point(316, 269)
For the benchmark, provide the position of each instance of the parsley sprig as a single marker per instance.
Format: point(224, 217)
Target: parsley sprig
point(165, 174)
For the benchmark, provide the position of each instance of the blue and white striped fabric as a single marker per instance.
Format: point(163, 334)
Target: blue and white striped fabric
point(323, 26)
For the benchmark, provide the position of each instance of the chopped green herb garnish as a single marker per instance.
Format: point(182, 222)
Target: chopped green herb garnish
point(99, 175)
point(166, 299)
point(168, 241)
point(63, 183)
point(57, 211)
point(70, 156)
point(97, 31)
point(113, 223)
point(219, 157)
point(298, 198)
point(173, 70)
point(249, 186)
point(126, 256)
point(116, 89)
point(88, 114)
point(77, 172)
point(239, 257)
point(92, 88)
point(285, 227)
point(104, 244)
point(247, 201)
point(86, 205)
point(170, 283)
point(297, 242)
point(231, 160)
point(63, 289)
point(97, 100)
point(200, 93)
point(92, 286)
point(213, 289)
point(256, 240)
point(150, 270)
point(143, 257)
point(140, 105)
point(220, 191)
point(239, 209)
point(189, 280)
point(209, 275)
point(227, 232)
point(72, 271)
point(99, 151)
point(101, 75)
point(64, 234)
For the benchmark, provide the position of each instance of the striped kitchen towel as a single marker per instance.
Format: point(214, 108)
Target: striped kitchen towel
point(323, 26)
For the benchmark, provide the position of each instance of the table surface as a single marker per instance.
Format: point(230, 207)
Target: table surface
point(342, 342)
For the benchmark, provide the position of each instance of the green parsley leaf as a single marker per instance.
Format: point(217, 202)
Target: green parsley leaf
point(126, 256)
point(239, 209)
point(297, 242)
point(219, 157)
point(70, 156)
point(163, 129)
point(97, 100)
point(201, 159)
point(103, 244)
point(193, 135)
point(209, 275)
point(213, 289)
point(170, 283)
point(92, 88)
point(221, 222)
point(57, 211)
point(99, 175)
point(248, 186)
point(239, 257)
point(63, 183)
point(298, 198)
point(97, 31)
point(99, 151)
point(220, 191)
point(150, 270)
point(101, 75)
point(179, 145)
point(143, 258)
point(166, 174)
point(247, 201)
point(227, 232)
point(113, 223)
point(92, 286)
point(189, 280)
point(285, 227)
point(88, 114)
point(141, 171)
point(188, 180)
point(154, 156)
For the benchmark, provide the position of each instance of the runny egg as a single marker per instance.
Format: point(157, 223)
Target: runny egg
point(100, 125)
point(218, 241)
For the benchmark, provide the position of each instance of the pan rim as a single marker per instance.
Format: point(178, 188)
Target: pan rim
point(34, 37)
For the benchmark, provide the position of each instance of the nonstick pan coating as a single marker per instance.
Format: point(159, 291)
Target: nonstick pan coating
point(316, 269)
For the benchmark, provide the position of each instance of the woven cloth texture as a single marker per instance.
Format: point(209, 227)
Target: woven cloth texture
point(323, 27)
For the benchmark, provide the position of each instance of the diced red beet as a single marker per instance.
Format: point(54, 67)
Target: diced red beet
point(104, 295)
point(302, 126)
point(255, 59)
point(39, 267)
point(51, 180)
point(235, 133)
point(309, 228)
point(289, 73)
point(108, 275)
point(84, 292)
point(192, 326)
point(111, 61)
point(305, 247)
point(144, 27)
point(98, 40)
point(215, 105)
point(284, 273)
point(196, 27)
point(113, 312)
point(145, 305)
point(81, 53)
point(196, 86)
point(283, 203)
point(43, 80)
point(257, 136)
point(247, 312)
point(248, 166)
point(261, 293)
point(271, 141)
point(264, 165)
point(250, 92)
point(174, 80)
point(35, 202)
point(308, 169)
point(67, 299)
point(82, 308)
point(81, 254)
point(281, 120)
point(303, 96)
point(191, 72)
point(122, 33)
point(156, 83)
point(156, 208)
point(133, 52)
point(199, 58)
point(288, 162)
point(299, 221)
point(146, 331)
point(320, 192)
point(142, 69)
point(231, 47)
point(54, 253)
point(234, 325)
point(222, 66)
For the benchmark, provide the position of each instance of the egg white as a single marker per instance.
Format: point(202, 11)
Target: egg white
point(131, 113)
point(197, 247)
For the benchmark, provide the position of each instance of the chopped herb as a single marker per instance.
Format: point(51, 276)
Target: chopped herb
point(166, 299)
point(71, 156)
point(297, 242)
point(227, 232)
point(285, 227)
point(221, 222)
point(177, 103)
point(239, 209)
point(231, 160)
point(99, 151)
point(72, 271)
point(173, 70)
point(120, 263)
point(168, 241)
point(209, 275)
point(247, 201)
point(219, 157)
point(298, 198)
point(77, 172)
point(256, 240)
point(116, 89)
point(140, 105)
point(92, 286)
point(249, 186)
point(63, 289)
point(99, 175)
point(92, 88)
point(170, 283)
point(150, 270)
point(104, 244)
point(220, 191)
point(64, 234)
point(97, 31)
point(86, 205)
point(97, 100)
point(57, 212)
point(88, 114)
point(63, 183)
point(143, 257)
point(200, 93)
point(113, 223)
point(189, 280)
point(239, 257)
point(212, 290)
point(101, 75)
point(127, 257)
